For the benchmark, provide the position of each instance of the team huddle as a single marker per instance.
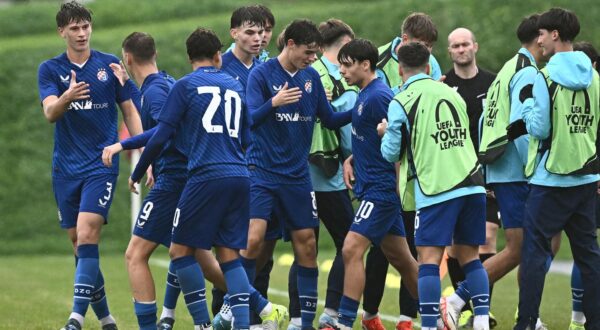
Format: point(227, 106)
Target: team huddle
point(248, 149)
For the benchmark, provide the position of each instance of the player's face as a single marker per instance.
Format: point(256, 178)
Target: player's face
point(77, 35)
point(267, 36)
point(546, 41)
point(301, 56)
point(248, 38)
point(462, 50)
point(352, 72)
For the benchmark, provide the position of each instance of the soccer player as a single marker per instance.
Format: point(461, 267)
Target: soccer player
point(378, 219)
point(79, 94)
point(577, 317)
point(155, 220)
point(432, 120)
point(561, 117)
point(505, 154)
point(285, 96)
point(213, 209)
point(328, 150)
point(416, 27)
point(269, 25)
point(472, 83)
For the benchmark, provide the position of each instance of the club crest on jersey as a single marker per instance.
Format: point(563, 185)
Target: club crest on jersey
point(102, 75)
point(308, 86)
point(360, 109)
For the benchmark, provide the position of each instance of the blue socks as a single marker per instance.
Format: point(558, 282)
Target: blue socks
point(478, 283)
point(238, 288)
point(576, 289)
point(347, 311)
point(98, 301)
point(85, 277)
point(191, 281)
point(172, 289)
point(430, 290)
point(307, 291)
point(257, 301)
point(250, 268)
point(146, 315)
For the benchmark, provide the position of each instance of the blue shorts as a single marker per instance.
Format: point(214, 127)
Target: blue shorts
point(93, 194)
point(155, 220)
point(213, 213)
point(460, 220)
point(375, 219)
point(511, 197)
point(293, 205)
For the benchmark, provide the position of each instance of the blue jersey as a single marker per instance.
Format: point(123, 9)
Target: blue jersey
point(375, 176)
point(88, 125)
point(238, 70)
point(281, 137)
point(206, 106)
point(170, 169)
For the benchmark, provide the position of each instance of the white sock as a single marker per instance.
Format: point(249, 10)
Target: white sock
point(481, 322)
point(77, 317)
point(297, 321)
point(538, 323)
point(331, 312)
point(344, 327)
point(107, 320)
point(167, 312)
point(368, 316)
point(403, 318)
point(226, 313)
point(266, 311)
point(578, 317)
point(428, 328)
point(455, 301)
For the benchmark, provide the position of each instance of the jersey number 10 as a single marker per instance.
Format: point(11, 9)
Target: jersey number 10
point(232, 99)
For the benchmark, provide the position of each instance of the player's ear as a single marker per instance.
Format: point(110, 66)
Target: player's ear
point(428, 69)
point(233, 33)
point(475, 47)
point(404, 38)
point(217, 61)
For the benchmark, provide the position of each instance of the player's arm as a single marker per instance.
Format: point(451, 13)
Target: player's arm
point(259, 106)
point(134, 142)
point(392, 138)
point(55, 106)
point(163, 133)
point(520, 89)
point(329, 119)
point(536, 113)
point(131, 117)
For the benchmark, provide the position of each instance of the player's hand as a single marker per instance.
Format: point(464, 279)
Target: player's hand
point(286, 96)
point(149, 178)
point(348, 174)
point(120, 72)
point(77, 90)
point(382, 127)
point(329, 95)
point(132, 186)
point(109, 152)
point(490, 193)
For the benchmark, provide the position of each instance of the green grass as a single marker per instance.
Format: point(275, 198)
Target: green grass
point(35, 292)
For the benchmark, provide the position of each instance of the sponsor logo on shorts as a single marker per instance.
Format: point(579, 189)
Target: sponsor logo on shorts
point(103, 202)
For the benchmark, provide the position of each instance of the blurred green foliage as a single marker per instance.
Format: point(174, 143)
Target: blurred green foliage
point(28, 220)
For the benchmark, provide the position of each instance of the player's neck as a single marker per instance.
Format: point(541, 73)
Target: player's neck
point(141, 72)
point(286, 63)
point(331, 56)
point(466, 71)
point(201, 63)
point(367, 80)
point(242, 56)
point(78, 57)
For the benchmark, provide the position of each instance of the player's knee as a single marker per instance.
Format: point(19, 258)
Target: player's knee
point(255, 245)
point(350, 252)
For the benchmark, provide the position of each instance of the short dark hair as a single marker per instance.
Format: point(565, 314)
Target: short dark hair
point(280, 40)
point(420, 26)
point(267, 15)
point(589, 50)
point(252, 15)
point(72, 12)
point(528, 29)
point(202, 44)
point(140, 45)
point(333, 29)
point(359, 50)
point(562, 20)
point(413, 55)
point(302, 32)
